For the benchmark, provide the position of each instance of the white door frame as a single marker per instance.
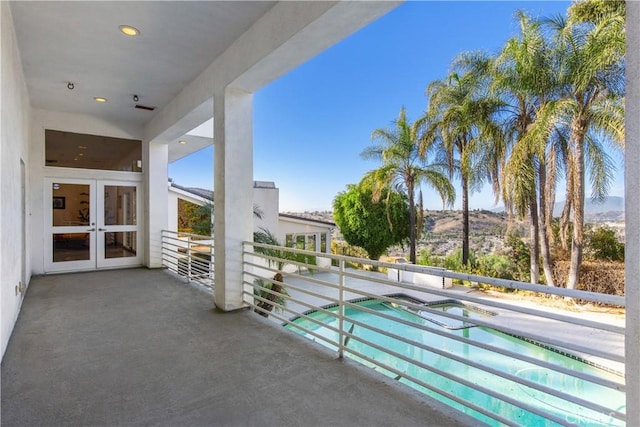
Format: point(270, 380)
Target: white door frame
point(96, 229)
point(101, 260)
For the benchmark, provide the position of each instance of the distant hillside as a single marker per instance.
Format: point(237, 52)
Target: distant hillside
point(481, 222)
point(610, 206)
point(593, 207)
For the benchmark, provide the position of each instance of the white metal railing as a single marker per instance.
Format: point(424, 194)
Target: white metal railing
point(333, 292)
point(189, 255)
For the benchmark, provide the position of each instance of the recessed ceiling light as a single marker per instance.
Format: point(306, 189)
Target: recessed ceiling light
point(129, 30)
point(99, 99)
point(182, 142)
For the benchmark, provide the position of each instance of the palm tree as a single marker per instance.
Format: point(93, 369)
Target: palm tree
point(591, 81)
point(280, 258)
point(523, 75)
point(403, 169)
point(461, 116)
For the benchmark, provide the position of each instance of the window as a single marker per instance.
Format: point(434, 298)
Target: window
point(289, 239)
point(311, 242)
point(80, 151)
point(306, 241)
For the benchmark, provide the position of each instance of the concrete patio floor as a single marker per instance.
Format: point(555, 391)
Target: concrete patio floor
point(138, 347)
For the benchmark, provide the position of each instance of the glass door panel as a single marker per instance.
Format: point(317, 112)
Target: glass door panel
point(71, 247)
point(71, 225)
point(71, 204)
point(120, 244)
point(92, 224)
point(120, 205)
point(118, 224)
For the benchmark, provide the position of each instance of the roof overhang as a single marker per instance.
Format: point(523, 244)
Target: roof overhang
point(186, 52)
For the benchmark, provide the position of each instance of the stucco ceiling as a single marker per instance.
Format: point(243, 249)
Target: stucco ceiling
point(80, 42)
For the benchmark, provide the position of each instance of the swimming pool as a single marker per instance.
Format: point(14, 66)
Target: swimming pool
point(362, 326)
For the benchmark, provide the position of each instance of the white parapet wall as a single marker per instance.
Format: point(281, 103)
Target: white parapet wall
point(420, 279)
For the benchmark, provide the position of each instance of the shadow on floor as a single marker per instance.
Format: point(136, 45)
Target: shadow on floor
point(138, 347)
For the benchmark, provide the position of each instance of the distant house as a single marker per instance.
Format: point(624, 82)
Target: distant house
point(291, 230)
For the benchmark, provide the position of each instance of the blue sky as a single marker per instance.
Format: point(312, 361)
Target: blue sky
point(311, 125)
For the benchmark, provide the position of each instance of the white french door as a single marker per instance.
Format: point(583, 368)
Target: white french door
point(91, 224)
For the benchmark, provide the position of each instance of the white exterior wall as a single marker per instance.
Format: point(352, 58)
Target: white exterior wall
point(14, 149)
point(292, 226)
point(268, 201)
point(300, 226)
point(632, 207)
point(289, 226)
point(172, 211)
point(78, 123)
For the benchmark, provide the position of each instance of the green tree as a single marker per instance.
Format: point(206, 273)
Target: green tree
point(461, 115)
point(371, 225)
point(597, 11)
point(519, 253)
point(188, 216)
point(494, 265)
point(202, 220)
point(404, 169)
point(591, 108)
point(602, 244)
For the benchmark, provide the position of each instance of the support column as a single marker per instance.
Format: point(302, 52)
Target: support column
point(154, 164)
point(233, 192)
point(632, 207)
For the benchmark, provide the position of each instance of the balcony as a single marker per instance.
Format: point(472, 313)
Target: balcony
point(141, 347)
point(411, 324)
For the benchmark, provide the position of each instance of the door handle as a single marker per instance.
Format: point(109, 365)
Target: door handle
point(102, 229)
point(91, 229)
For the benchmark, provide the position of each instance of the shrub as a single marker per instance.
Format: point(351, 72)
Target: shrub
point(280, 300)
point(425, 257)
point(498, 266)
point(602, 244)
point(518, 250)
point(595, 276)
point(453, 261)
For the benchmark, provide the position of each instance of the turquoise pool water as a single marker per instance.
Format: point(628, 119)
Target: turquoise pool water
point(571, 413)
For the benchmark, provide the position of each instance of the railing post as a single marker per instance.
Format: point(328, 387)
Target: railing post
point(341, 338)
point(211, 260)
point(188, 258)
point(244, 271)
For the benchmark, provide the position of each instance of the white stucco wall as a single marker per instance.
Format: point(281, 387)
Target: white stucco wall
point(78, 123)
point(14, 123)
point(172, 211)
point(291, 226)
point(267, 198)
